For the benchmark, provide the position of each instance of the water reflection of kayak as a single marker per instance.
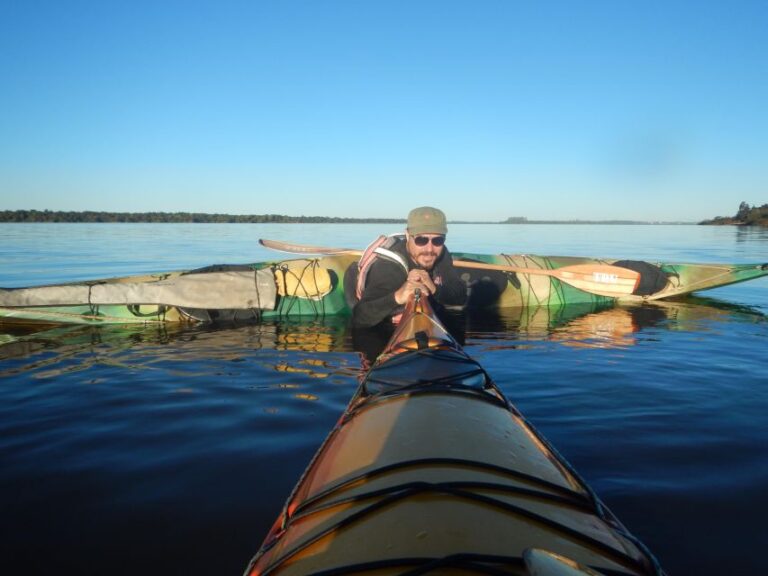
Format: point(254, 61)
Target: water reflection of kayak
point(606, 325)
point(582, 325)
point(315, 287)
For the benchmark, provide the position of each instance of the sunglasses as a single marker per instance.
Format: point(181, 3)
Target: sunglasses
point(424, 240)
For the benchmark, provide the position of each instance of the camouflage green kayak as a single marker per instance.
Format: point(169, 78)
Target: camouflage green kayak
point(315, 287)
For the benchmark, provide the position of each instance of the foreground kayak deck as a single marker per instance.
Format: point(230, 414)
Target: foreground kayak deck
point(432, 471)
point(315, 287)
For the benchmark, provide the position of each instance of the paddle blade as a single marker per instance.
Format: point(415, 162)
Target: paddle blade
point(600, 279)
point(603, 279)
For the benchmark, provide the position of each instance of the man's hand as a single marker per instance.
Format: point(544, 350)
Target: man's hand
point(417, 280)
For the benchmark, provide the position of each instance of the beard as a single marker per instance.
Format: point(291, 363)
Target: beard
point(426, 260)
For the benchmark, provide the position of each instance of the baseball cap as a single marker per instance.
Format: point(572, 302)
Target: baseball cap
point(426, 220)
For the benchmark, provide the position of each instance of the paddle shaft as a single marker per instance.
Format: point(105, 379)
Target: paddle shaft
point(601, 279)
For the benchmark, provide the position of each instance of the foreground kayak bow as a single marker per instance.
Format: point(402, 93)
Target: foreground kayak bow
point(431, 470)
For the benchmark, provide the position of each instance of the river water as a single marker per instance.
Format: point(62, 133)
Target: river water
point(149, 450)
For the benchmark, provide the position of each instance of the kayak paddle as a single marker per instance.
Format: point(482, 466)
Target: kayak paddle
point(601, 279)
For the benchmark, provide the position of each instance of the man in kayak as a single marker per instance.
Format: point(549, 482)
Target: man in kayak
point(394, 267)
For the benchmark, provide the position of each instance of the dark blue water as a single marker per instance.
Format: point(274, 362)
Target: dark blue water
point(171, 450)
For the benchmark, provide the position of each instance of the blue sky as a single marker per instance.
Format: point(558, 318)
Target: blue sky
point(488, 109)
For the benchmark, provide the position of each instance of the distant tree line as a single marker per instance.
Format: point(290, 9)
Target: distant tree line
point(746, 216)
point(524, 220)
point(177, 217)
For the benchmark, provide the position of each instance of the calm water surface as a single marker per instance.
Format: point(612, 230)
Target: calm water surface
point(171, 450)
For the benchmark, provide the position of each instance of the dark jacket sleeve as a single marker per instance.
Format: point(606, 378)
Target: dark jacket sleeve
point(378, 302)
point(451, 289)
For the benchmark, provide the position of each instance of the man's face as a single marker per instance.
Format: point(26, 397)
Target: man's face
point(422, 249)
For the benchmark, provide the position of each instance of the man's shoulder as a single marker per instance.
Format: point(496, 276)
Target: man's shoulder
point(392, 252)
point(390, 262)
point(399, 245)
